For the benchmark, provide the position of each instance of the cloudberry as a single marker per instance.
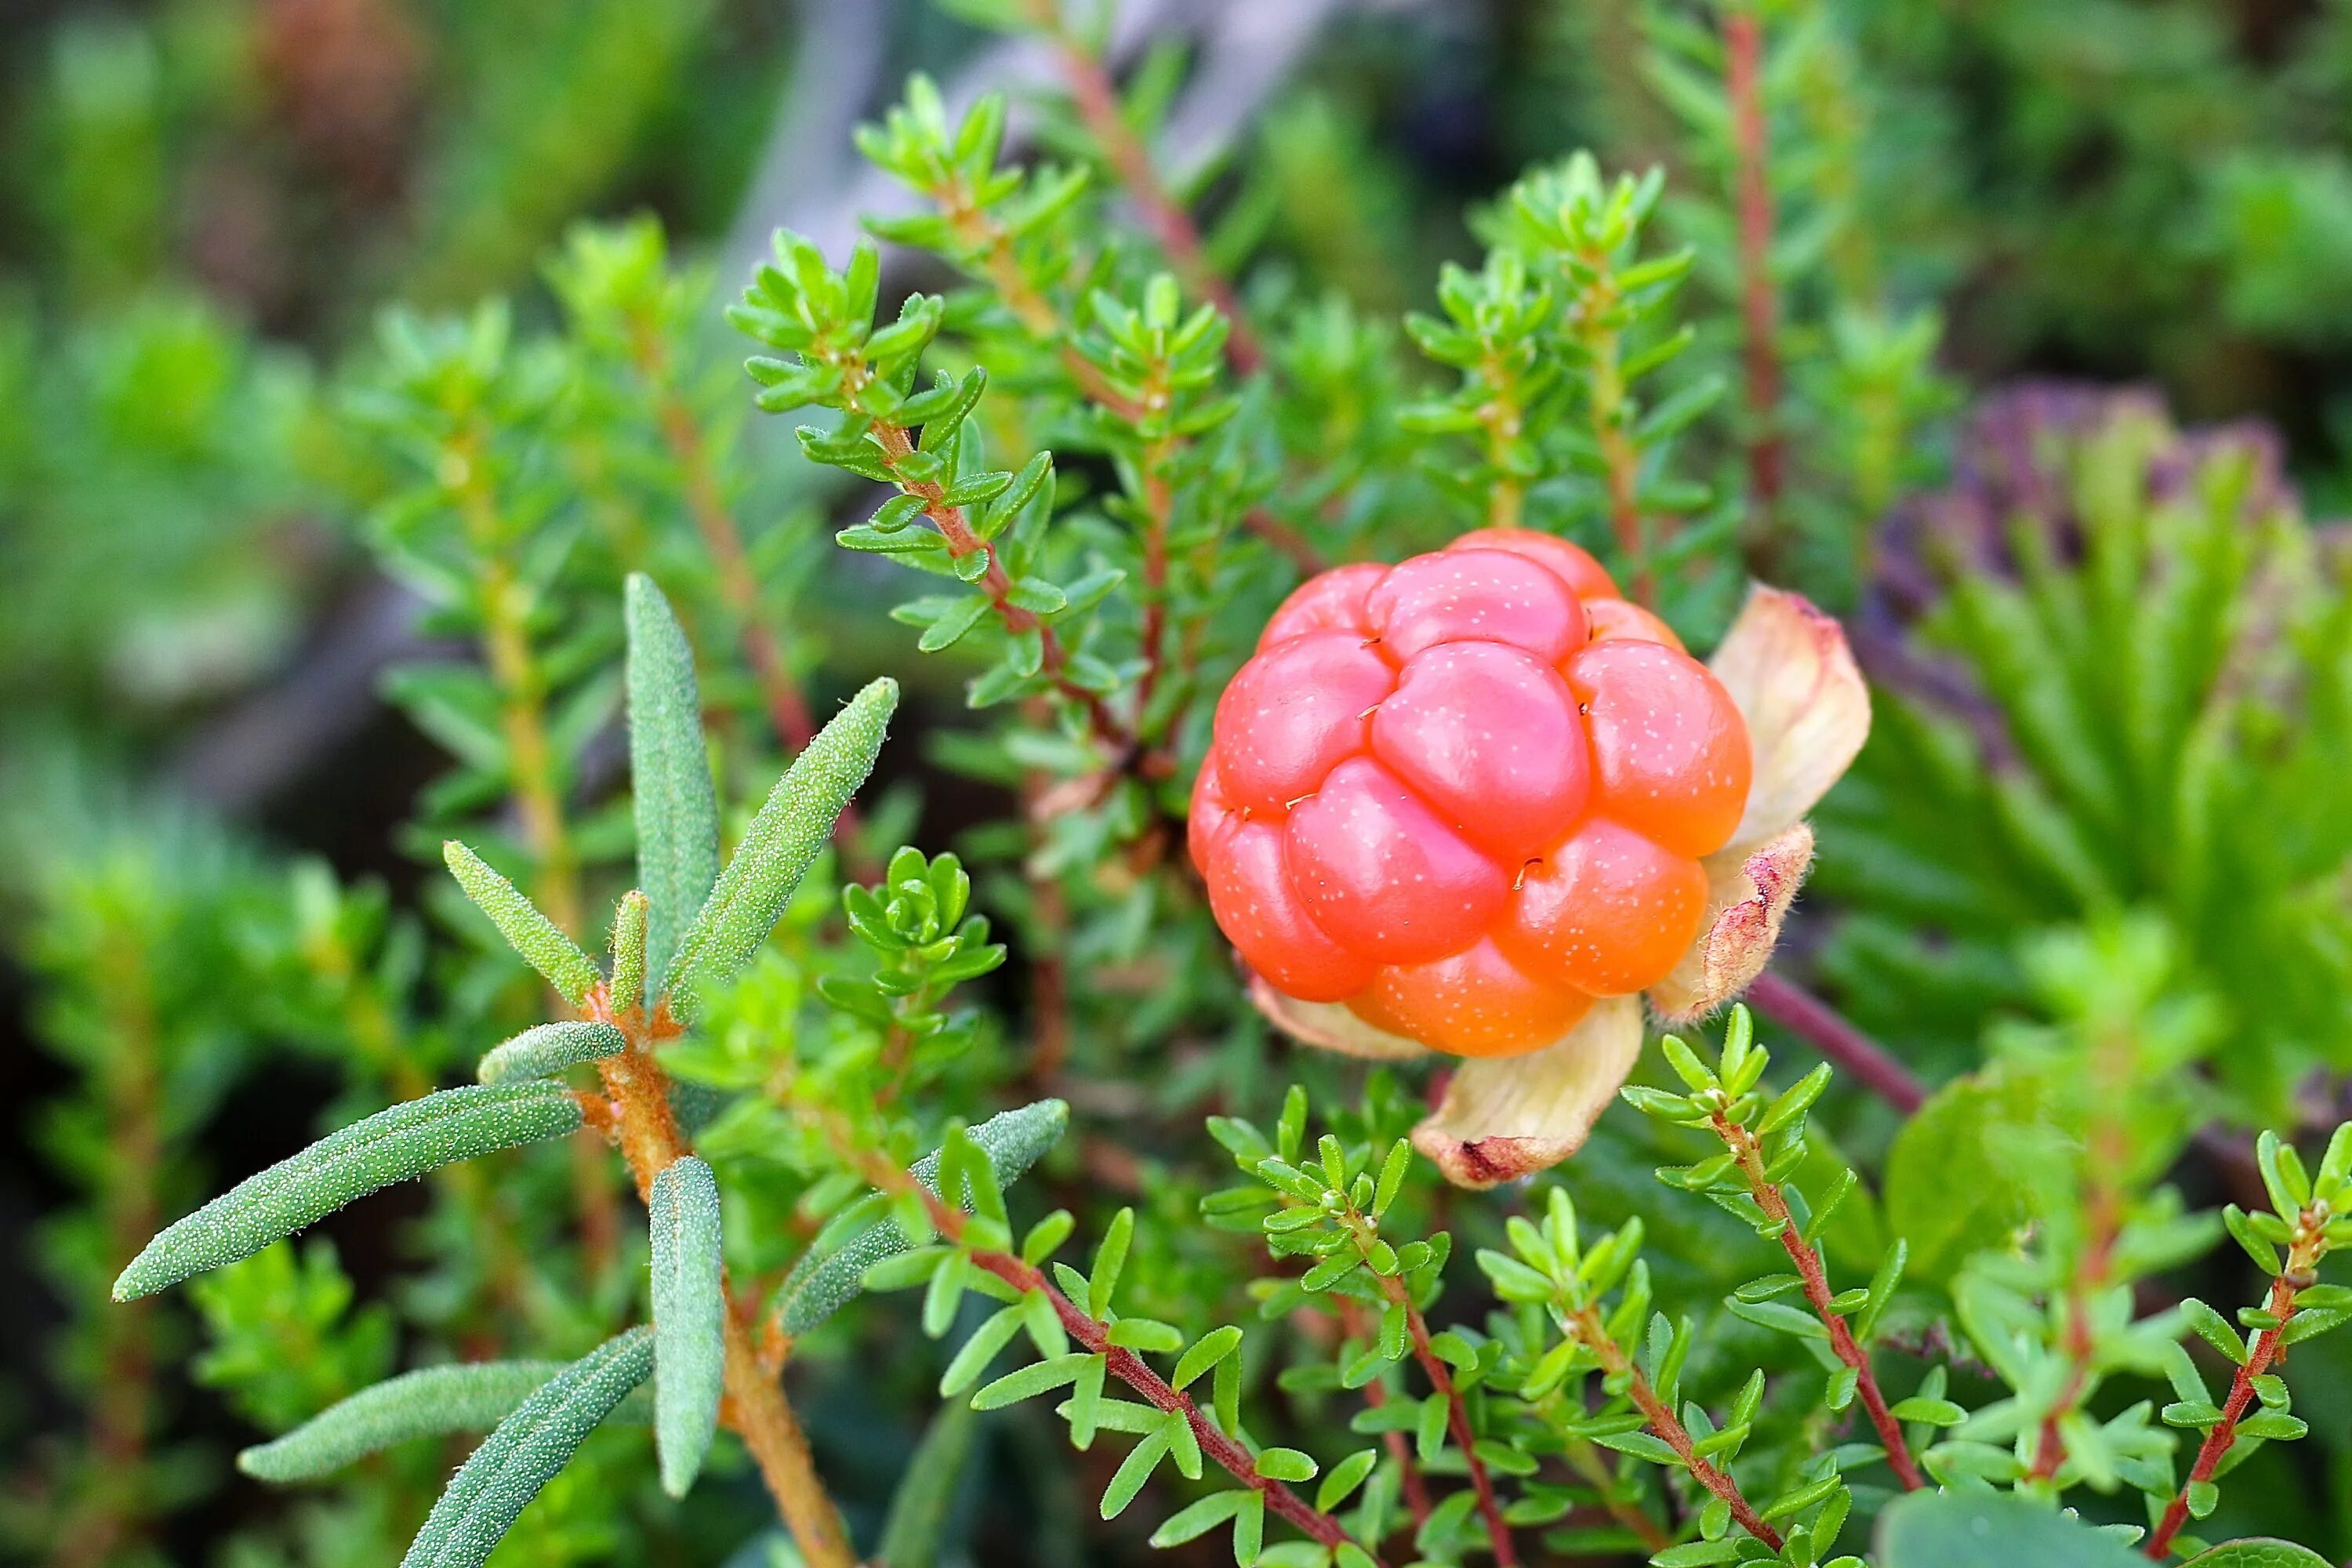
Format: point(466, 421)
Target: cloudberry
point(1467, 795)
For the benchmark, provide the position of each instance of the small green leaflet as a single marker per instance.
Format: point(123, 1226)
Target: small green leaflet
point(530, 933)
point(820, 1287)
point(472, 1396)
point(677, 810)
point(391, 1146)
point(779, 846)
point(548, 1049)
point(689, 1306)
point(491, 1488)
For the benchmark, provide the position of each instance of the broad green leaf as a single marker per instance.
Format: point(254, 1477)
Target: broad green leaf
point(820, 1286)
point(779, 846)
point(472, 1396)
point(677, 810)
point(389, 1146)
point(530, 933)
point(2258, 1551)
point(689, 1311)
point(548, 1049)
point(1991, 1530)
point(915, 1530)
point(491, 1488)
point(1943, 1220)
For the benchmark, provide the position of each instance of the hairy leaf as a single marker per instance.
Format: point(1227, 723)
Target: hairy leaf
point(676, 809)
point(777, 847)
point(530, 933)
point(389, 1146)
point(472, 1396)
point(548, 1049)
point(690, 1308)
point(913, 1535)
point(492, 1487)
point(820, 1286)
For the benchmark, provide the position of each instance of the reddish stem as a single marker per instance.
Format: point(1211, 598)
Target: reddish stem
point(1125, 1365)
point(1743, 51)
point(1807, 1258)
point(1669, 1429)
point(1457, 1421)
point(1854, 1053)
point(2265, 1349)
point(1098, 101)
point(1376, 1395)
point(897, 447)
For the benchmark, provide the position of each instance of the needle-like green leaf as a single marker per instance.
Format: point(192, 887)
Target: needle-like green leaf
point(677, 813)
point(777, 847)
point(491, 1488)
point(540, 940)
point(690, 1304)
point(820, 1286)
point(548, 1049)
point(471, 1397)
point(389, 1146)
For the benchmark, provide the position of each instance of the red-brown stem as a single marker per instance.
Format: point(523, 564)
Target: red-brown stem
point(1376, 1395)
point(755, 1406)
point(1854, 1053)
point(1130, 159)
point(1668, 1429)
point(1807, 1259)
point(1743, 51)
point(897, 447)
point(1457, 1421)
point(2109, 1152)
point(992, 243)
point(1121, 1362)
point(788, 709)
point(110, 1518)
point(2302, 1264)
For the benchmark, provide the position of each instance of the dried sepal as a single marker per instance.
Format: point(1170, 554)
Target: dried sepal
point(1330, 1025)
point(1793, 677)
point(1748, 894)
point(1506, 1117)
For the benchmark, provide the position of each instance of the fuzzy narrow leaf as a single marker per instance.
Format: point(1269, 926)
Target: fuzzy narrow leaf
point(921, 1508)
point(677, 810)
point(491, 1488)
point(470, 1397)
point(530, 933)
point(777, 847)
point(389, 1146)
point(820, 1286)
point(690, 1308)
point(548, 1049)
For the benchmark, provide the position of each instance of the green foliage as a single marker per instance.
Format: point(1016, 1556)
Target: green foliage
point(539, 939)
point(544, 1050)
point(472, 1396)
point(2088, 881)
point(494, 1486)
point(677, 815)
point(1958, 1530)
point(389, 1146)
point(776, 850)
point(689, 1312)
point(829, 1277)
